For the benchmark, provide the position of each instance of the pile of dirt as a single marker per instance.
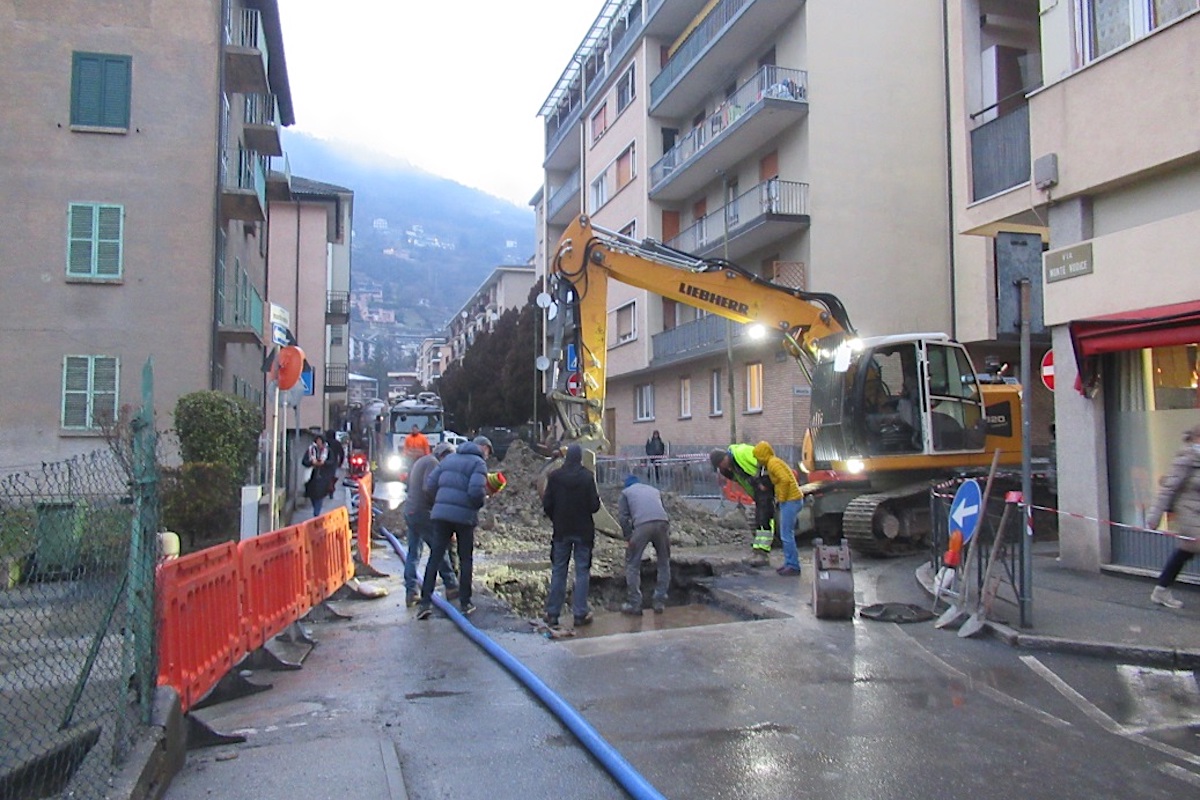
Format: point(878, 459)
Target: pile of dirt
point(512, 542)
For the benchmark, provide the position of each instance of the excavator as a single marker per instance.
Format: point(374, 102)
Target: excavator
point(890, 415)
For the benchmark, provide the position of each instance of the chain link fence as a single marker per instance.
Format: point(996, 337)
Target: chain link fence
point(687, 476)
point(77, 552)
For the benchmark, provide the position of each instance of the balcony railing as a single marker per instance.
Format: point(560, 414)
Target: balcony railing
point(771, 83)
point(244, 185)
point(262, 124)
point(246, 62)
point(694, 45)
point(561, 196)
point(337, 308)
point(694, 339)
point(336, 377)
point(279, 178)
point(1000, 154)
point(241, 316)
point(768, 200)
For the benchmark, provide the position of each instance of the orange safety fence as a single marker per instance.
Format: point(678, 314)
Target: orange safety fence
point(200, 634)
point(275, 589)
point(366, 485)
point(329, 563)
point(733, 491)
point(218, 604)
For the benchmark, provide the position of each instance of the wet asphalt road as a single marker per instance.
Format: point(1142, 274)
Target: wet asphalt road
point(775, 708)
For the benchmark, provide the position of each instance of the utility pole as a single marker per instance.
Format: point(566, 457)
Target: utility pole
point(1025, 596)
point(728, 322)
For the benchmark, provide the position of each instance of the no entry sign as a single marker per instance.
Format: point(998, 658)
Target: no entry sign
point(1048, 370)
point(573, 384)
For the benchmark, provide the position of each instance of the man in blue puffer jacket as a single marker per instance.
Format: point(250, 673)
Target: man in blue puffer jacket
point(458, 486)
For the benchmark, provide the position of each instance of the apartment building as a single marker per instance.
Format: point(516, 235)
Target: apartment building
point(309, 275)
point(805, 141)
point(506, 288)
point(136, 146)
point(432, 358)
point(1075, 129)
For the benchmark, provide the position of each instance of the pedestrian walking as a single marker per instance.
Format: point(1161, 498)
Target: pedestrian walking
point(644, 521)
point(655, 449)
point(737, 463)
point(459, 488)
point(1179, 493)
point(570, 500)
point(337, 457)
point(789, 500)
point(317, 484)
point(417, 505)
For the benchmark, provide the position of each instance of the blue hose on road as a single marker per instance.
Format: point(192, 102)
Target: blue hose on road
point(608, 756)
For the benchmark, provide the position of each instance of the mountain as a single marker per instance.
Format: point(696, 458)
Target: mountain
point(429, 241)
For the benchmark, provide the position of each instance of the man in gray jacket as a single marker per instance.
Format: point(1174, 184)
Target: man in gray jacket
point(644, 521)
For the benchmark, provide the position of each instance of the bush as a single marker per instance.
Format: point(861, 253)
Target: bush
point(218, 428)
point(201, 502)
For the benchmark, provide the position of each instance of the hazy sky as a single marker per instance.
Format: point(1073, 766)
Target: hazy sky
point(451, 86)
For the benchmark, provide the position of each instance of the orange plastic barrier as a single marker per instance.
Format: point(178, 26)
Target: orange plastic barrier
point(733, 491)
point(329, 561)
point(365, 486)
point(200, 634)
point(274, 574)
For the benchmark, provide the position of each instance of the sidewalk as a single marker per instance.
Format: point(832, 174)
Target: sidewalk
point(1106, 614)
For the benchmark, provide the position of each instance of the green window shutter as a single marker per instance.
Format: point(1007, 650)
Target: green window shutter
point(81, 226)
point(87, 82)
point(104, 390)
point(109, 229)
point(90, 386)
point(76, 374)
point(100, 89)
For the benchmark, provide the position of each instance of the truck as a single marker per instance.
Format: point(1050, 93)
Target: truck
point(890, 415)
point(392, 462)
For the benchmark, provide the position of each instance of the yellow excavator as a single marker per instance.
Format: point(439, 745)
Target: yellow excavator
point(890, 415)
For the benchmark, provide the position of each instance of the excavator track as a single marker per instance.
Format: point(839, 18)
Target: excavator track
point(892, 523)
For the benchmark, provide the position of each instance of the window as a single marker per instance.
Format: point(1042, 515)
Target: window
point(625, 90)
point(714, 394)
point(626, 167)
point(630, 230)
point(643, 402)
point(754, 387)
point(685, 398)
point(94, 234)
point(1108, 24)
point(600, 190)
point(625, 323)
point(89, 391)
point(599, 122)
point(100, 90)
point(337, 335)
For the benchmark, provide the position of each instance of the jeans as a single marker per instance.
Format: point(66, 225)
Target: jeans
point(1174, 566)
point(655, 533)
point(442, 532)
point(317, 502)
point(787, 531)
point(420, 533)
point(560, 558)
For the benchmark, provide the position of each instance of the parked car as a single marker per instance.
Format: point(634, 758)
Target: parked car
point(454, 438)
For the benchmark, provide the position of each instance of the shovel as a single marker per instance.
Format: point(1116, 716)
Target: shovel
point(988, 593)
point(956, 613)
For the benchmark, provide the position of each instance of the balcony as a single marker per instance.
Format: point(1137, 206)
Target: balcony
point(279, 179)
point(245, 52)
point(337, 308)
point(243, 185)
point(261, 131)
point(697, 339)
point(240, 319)
point(702, 61)
point(564, 203)
point(756, 218)
point(336, 378)
point(1000, 154)
point(775, 99)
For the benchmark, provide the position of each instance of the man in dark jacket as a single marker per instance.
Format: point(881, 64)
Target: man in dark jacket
point(420, 527)
point(569, 501)
point(458, 486)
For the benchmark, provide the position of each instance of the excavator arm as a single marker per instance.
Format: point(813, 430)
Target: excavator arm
point(589, 257)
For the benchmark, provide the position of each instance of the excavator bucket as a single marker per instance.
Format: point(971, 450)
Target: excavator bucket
point(603, 519)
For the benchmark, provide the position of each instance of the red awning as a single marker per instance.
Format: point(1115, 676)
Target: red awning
point(1160, 326)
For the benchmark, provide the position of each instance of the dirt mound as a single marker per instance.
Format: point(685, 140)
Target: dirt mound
point(512, 542)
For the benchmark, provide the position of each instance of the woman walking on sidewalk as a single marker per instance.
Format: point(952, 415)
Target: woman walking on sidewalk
point(1180, 494)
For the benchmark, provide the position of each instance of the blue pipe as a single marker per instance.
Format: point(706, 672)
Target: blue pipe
point(608, 756)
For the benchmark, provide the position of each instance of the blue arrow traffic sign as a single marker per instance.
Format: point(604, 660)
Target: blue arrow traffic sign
point(965, 509)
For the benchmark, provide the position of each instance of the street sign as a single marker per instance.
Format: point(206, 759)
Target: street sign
point(306, 378)
point(965, 510)
point(573, 384)
point(1048, 370)
point(572, 359)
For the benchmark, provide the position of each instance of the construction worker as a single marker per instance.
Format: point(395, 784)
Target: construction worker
point(737, 463)
point(416, 445)
point(790, 500)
